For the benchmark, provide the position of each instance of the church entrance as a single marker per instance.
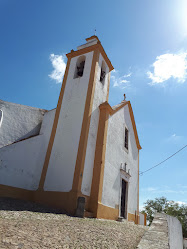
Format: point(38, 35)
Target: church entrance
point(123, 198)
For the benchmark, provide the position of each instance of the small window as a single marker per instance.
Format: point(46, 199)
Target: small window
point(103, 73)
point(126, 138)
point(79, 70)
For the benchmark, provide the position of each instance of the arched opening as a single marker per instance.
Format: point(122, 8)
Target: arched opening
point(79, 70)
point(103, 73)
point(1, 117)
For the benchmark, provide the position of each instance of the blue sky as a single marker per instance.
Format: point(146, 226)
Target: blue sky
point(146, 42)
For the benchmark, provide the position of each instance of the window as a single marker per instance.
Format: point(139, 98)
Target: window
point(103, 73)
point(126, 138)
point(79, 70)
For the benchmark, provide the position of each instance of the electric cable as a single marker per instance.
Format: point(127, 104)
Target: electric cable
point(162, 161)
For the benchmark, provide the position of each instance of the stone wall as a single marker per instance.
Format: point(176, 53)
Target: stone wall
point(165, 232)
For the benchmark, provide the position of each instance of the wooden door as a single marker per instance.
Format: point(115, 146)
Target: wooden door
point(123, 199)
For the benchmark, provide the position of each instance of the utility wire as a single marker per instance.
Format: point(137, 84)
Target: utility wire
point(141, 173)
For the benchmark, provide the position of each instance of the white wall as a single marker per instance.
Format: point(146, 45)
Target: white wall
point(88, 44)
point(100, 96)
point(185, 243)
point(64, 152)
point(175, 233)
point(117, 154)
point(19, 122)
point(21, 163)
point(141, 222)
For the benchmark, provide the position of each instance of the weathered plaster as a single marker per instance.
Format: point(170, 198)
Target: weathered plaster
point(19, 122)
point(21, 163)
point(117, 155)
point(100, 96)
point(64, 152)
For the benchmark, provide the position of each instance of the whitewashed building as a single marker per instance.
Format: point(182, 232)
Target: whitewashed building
point(83, 148)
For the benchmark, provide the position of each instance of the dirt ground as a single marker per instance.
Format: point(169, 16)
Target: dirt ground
point(28, 225)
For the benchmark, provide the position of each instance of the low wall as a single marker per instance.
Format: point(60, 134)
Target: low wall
point(165, 232)
point(175, 233)
point(142, 219)
point(185, 243)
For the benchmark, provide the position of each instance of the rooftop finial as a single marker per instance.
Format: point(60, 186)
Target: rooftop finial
point(95, 31)
point(124, 96)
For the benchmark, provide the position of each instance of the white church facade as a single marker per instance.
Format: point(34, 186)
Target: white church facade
point(83, 148)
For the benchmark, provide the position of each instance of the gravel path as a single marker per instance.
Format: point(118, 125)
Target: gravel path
point(27, 225)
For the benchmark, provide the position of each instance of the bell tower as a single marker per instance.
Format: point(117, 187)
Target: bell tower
point(69, 159)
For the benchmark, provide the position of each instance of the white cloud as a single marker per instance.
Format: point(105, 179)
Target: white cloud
point(118, 81)
point(167, 66)
point(174, 138)
point(59, 65)
point(181, 202)
point(164, 190)
point(127, 75)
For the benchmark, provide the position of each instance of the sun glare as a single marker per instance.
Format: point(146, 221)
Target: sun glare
point(182, 15)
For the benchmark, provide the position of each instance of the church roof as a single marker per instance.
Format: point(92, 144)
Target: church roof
point(115, 108)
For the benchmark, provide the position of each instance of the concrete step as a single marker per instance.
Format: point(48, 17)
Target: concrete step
point(121, 219)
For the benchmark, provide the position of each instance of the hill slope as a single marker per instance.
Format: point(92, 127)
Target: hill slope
point(28, 225)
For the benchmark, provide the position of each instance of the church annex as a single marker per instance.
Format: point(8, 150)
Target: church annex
point(83, 148)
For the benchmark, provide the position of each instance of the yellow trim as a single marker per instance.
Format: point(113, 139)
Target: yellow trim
point(145, 219)
point(53, 132)
point(138, 186)
point(17, 193)
point(66, 201)
point(89, 49)
point(99, 161)
point(82, 51)
point(137, 219)
point(102, 51)
point(111, 111)
point(108, 87)
point(79, 166)
point(131, 217)
point(134, 217)
point(104, 212)
point(92, 37)
point(134, 126)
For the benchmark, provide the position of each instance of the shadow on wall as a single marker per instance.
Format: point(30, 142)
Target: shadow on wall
point(34, 132)
point(10, 204)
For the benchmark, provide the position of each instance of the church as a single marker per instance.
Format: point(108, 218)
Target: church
point(84, 149)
